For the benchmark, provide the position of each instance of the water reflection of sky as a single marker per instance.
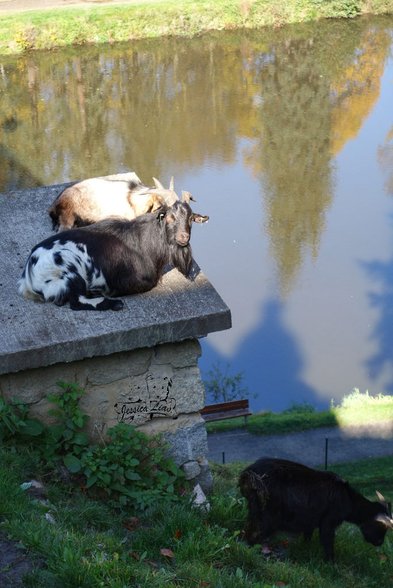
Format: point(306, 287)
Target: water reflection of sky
point(326, 336)
point(286, 143)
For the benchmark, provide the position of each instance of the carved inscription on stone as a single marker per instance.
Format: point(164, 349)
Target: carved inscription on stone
point(148, 398)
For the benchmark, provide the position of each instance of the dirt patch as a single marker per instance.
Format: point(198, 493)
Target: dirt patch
point(15, 563)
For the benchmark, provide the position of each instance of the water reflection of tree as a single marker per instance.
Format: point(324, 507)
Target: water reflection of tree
point(295, 155)
point(311, 105)
point(385, 157)
point(147, 107)
point(297, 95)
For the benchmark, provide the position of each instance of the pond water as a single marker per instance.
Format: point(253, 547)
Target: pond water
point(285, 139)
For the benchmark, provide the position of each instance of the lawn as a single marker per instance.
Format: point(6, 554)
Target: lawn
point(79, 542)
point(120, 515)
point(355, 409)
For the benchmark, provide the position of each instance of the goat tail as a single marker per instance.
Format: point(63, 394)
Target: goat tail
point(81, 302)
point(52, 211)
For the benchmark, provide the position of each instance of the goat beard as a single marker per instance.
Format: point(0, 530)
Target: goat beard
point(181, 258)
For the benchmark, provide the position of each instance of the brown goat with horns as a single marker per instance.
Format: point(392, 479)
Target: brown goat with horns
point(96, 199)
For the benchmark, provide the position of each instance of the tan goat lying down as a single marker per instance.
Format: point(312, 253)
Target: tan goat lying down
point(95, 199)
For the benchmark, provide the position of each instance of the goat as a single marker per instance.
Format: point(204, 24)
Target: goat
point(110, 258)
point(95, 199)
point(287, 496)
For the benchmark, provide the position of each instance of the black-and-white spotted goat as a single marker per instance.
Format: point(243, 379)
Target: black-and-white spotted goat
point(110, 258)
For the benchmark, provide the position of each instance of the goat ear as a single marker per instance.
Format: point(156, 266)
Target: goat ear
point(199, 218)
point(158, 184)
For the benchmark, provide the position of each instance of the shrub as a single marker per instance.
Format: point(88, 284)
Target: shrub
point(129, 468)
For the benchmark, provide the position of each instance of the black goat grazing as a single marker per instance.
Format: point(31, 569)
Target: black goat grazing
point(287, 496)
point(96, 199)
point(110, 258)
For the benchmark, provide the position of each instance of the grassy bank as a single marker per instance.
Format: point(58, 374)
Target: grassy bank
point(76, 530)
point(76, 542)
point(47, 29)
point(356, 409)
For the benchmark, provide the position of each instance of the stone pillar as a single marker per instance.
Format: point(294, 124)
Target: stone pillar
point(158, 390)
point(138, 365)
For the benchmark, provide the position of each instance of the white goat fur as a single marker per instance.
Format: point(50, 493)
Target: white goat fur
point(95, 199)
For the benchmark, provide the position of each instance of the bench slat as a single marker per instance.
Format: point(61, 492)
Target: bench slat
point(219, 416)
point(226, 410)
point(225, 406)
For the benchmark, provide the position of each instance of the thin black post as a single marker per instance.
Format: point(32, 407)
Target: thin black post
point(223, 457)
point(326, 452)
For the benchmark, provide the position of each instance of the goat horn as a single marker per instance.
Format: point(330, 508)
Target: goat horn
point(186, 197)
point(385, 519)
point(158, 184)
point(380, 497)
point(172, 184)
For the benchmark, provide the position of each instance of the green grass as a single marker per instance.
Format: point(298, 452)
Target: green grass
point(89, 545)
point(47, 29)
point(356, 409)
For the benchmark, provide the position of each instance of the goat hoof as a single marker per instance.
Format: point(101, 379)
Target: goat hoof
point(117, 305)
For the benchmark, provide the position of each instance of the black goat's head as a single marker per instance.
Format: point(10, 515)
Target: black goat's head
point(375, 529)
point(178, 220)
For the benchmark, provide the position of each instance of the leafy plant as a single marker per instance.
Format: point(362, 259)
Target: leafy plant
point(14, 422)
point(339, 8)
point(130, 468)
point(224, 387)
point(67, 436)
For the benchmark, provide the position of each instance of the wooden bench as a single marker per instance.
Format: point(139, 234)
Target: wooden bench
point(226, 410)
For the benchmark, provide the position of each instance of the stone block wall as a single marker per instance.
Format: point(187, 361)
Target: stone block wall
point(157, 389)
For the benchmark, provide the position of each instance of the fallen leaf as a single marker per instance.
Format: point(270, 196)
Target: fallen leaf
point(265, 549)
point(134, 555)
point(132, 523)
point(382, 557)
point(178, 534)
point(167, 552)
